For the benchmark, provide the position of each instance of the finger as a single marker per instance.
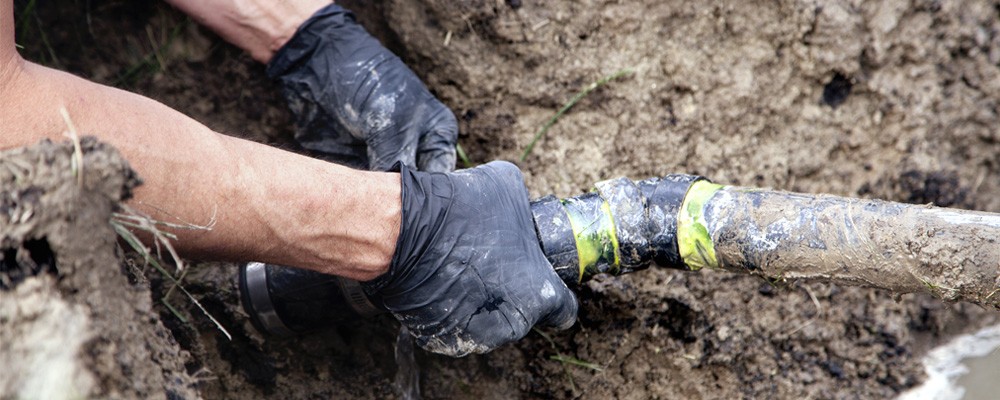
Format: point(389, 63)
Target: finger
point(440, 160)
point(436, 149)
point(562, 314)
point(385, 152)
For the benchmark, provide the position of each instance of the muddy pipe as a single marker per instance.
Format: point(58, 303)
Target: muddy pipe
point(687, 222)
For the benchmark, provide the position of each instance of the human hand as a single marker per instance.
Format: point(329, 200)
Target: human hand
point(357, 103)
point(468, 274)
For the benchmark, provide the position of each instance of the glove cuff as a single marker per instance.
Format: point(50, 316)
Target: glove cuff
point(373, 286)
point(415, 205)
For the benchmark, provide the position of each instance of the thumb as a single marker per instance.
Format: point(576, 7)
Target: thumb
point(436, 149)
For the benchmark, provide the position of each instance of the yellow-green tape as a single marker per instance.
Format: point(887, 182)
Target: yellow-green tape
point(613, 235)
point(596, 239)
point(693, 240)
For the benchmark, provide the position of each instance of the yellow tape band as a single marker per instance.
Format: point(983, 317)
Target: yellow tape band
point(613, 234)
point(693, 240)
point(596, 238)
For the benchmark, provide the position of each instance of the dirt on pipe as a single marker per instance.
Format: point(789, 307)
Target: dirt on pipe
point(951, 254)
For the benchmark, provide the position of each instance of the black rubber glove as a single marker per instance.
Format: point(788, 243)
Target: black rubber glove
point(468, 274)
point(356, 103)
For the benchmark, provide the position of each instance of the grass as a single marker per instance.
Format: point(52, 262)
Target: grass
point(129, 220)
point(778, 281)
point(152, 61)
point(569, 104)
point(76, 163)
point(939, 291)
point(53, 58)
point(31, 29)
point(567, 360)
point(930, 286)
point(462, 156)
point(576, 361)
point(989, 296)
point(24, 19)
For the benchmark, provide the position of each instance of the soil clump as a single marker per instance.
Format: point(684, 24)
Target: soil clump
point(71, 322)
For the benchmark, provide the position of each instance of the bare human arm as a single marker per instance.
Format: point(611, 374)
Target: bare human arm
point(270, 205)
point(453, 256)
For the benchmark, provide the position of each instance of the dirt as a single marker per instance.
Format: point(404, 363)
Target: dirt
point(80, 328)
point(895, 100)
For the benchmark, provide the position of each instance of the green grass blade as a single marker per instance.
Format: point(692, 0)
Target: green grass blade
point(576, 99)
point(22, 20)
point(132, 72)
point(462, 156)
point(577, 362)
point(547, 337)
point(173, 310)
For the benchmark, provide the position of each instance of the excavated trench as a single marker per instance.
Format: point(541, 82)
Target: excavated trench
point(895, 100)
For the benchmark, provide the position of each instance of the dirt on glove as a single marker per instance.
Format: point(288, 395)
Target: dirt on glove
point(894, 99)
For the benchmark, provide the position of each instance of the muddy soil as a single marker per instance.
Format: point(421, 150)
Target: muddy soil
point(71, 322)
point(894, 99)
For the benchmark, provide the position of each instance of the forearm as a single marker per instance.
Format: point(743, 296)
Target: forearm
point(269, 205)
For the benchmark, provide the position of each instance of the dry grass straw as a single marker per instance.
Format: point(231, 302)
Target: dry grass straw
point(76, 163)
point(128, 221)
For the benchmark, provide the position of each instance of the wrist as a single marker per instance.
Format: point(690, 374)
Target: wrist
point(310, 213)
point(258, 27)
point(360, 229)
point(278, 29)
point(386, 196)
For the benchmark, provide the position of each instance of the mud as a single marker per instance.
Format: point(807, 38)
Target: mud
point(80, 328)
point(893, 99)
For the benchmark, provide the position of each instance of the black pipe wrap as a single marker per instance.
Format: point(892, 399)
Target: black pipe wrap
point(621, 227)
point(664, 197)
point(555, 235)
point(628, 210)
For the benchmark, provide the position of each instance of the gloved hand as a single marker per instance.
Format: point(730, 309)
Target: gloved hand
point(468, 274)
point(356, 103)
